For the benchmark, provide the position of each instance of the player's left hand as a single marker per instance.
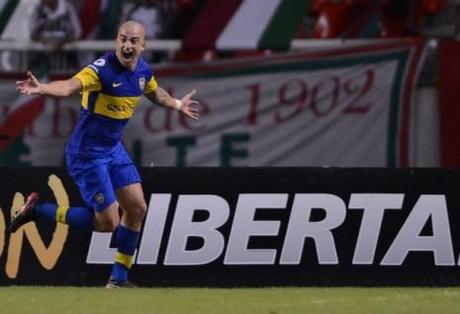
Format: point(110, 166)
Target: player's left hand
point(190, 106)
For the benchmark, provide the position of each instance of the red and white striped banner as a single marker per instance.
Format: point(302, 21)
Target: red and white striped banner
point(334, 107)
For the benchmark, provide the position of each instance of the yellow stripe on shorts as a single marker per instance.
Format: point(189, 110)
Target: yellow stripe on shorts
point(61, 213)
point(124, 259)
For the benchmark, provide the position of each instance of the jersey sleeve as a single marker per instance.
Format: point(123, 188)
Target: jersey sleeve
point(89, 80)
point(151, 86)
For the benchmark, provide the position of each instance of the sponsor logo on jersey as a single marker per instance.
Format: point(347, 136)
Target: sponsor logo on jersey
point(116, 108)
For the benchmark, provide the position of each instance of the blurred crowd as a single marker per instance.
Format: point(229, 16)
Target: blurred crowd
point(381, 19)
point(170, 19)
point(162, 18)
point(55, 22)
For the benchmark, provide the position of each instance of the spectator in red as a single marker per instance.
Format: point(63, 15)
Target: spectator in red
point(401, 18)
point(405, 18)
point(377, 18)
point(345, 18)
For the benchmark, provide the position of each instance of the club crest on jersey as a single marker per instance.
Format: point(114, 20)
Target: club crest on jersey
point(142, 83)
point(99, 198)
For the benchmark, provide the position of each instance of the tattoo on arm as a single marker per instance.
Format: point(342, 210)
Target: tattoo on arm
point(161, 97)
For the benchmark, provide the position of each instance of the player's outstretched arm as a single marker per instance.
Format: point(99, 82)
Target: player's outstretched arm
point(186, 105)
point(62, 88)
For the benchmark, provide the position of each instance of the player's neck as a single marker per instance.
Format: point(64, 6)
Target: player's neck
point(131, 66)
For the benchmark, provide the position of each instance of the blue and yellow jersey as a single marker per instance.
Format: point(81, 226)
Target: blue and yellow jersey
point(110, 94)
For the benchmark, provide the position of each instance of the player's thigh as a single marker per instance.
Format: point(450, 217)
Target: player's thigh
point(107, 219)
point(127, 183)
point(93, 180)
point(132, 203)
point(131, 199)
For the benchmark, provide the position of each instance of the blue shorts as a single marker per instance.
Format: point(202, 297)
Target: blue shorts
point(99, 178)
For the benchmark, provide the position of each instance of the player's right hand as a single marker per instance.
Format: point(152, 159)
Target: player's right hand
point(30, 86)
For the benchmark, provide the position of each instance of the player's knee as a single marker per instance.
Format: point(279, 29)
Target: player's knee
point(137, 211)
point(107, 225)
point(140, 210)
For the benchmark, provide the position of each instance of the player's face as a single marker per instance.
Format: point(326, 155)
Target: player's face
point(130, 44)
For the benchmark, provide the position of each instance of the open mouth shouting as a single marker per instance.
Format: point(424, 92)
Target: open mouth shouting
point(127, 55)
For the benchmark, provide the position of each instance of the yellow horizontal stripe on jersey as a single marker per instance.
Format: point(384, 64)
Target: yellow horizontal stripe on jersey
point(115, 107)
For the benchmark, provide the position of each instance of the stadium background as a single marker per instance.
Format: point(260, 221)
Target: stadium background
point(359, 104)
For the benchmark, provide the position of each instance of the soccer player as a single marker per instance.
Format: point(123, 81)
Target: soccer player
point(96, 159)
